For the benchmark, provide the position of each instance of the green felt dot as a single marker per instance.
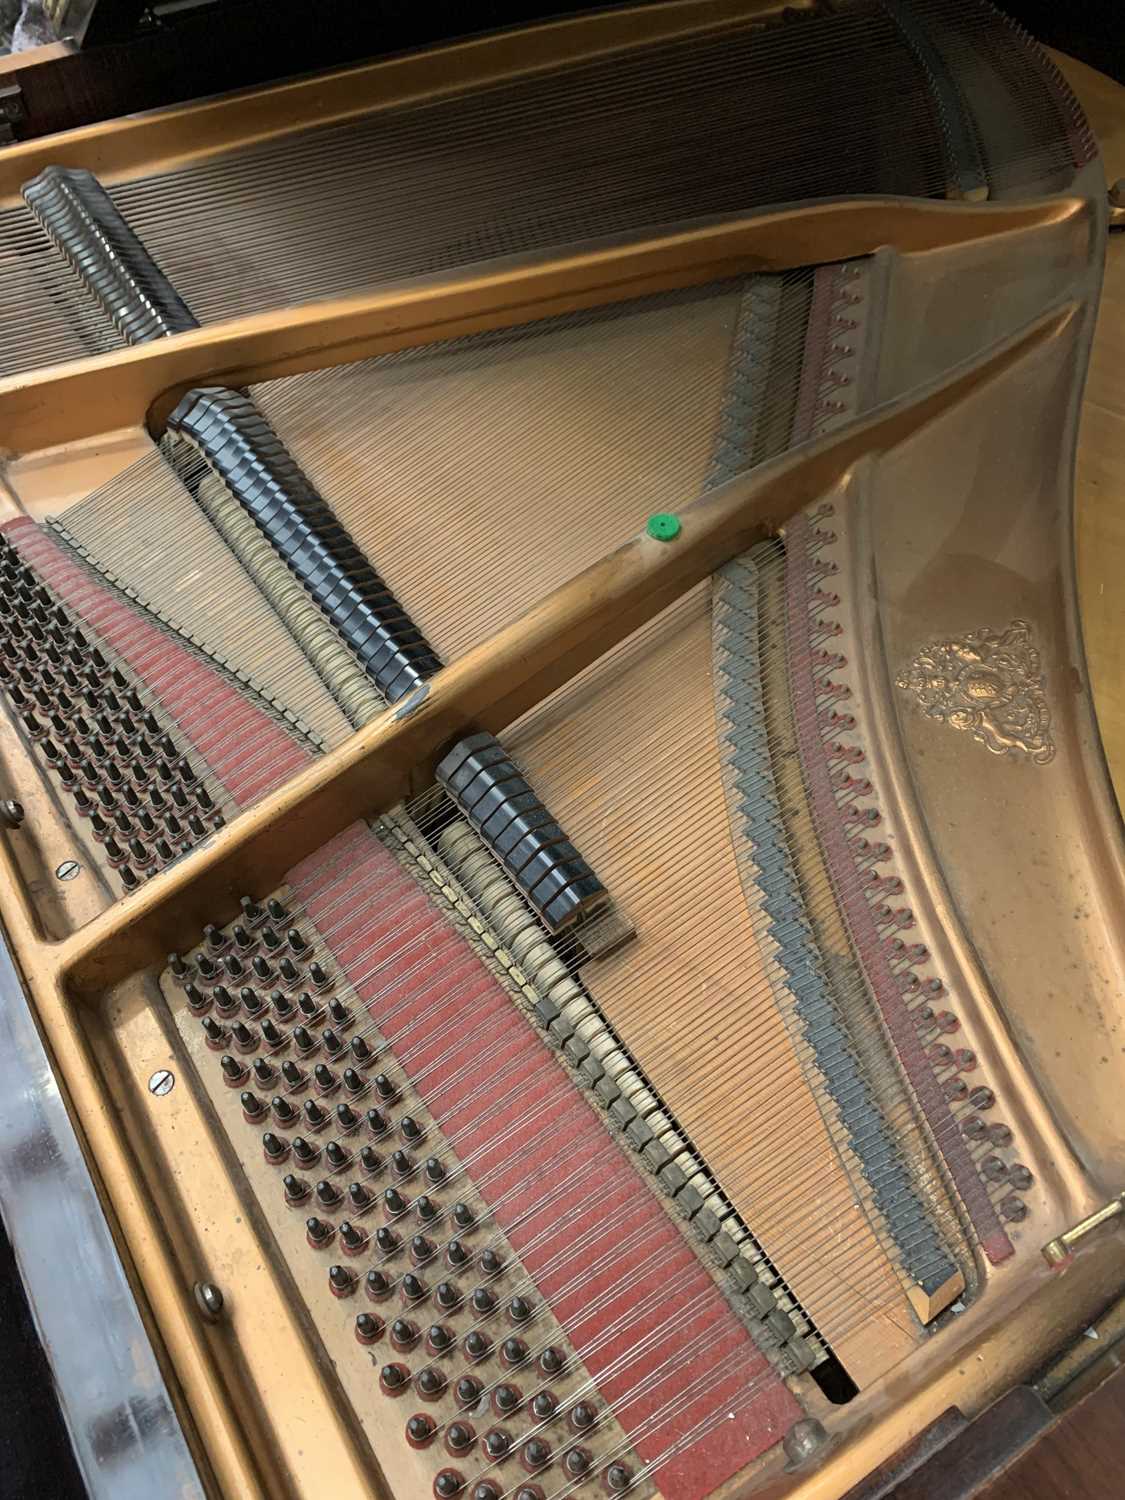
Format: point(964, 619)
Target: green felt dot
point(664, 526)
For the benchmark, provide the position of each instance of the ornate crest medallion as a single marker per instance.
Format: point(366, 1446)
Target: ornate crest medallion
point(989, 683)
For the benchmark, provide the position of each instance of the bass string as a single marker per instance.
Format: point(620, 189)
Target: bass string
point(427, 433)
point(458, 150)
point(824, 896)
point(144, 531)
point(360, 897)
point(476, 1055)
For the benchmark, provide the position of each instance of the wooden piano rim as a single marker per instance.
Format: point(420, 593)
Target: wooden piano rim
point(183, 135)
point(490, 687)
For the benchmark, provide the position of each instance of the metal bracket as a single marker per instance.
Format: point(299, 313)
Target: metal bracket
point(1059, 1252)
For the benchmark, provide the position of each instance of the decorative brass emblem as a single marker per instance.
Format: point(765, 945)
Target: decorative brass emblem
point(990, 684)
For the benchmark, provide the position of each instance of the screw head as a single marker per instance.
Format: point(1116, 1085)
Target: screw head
point(11, 813)
point(68, 870)
point(804, 1440)
point(209, 1300)
point(161, 1082)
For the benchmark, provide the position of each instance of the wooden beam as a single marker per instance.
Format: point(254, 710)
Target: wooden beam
point(47, 408)
point(502, 678)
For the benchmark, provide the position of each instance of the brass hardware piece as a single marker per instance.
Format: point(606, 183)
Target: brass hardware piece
point(11, 813)
point(1059, 1252)
point(991, 683)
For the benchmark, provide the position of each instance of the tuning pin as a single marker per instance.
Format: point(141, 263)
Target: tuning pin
point(413, 1287)
point(215, 938)
point(216, 1035)
point(252, 913)
point(520, 1309)
point(422, 1249)
point(401, 1164)
point(352, 1239)
point(244, 1038)
point(447, 1295)
point(318, 1233)
point(233, 1070)
point(327, 1193)
point(273, 1036)
point(196, 999)
point(347, 1118)
point(225, 1003)
point(292, 1074)
point(360, 1050)
point(336, 1156)
point(513, 1351)
point(491, 1263)
point(341, 1281)
point(296, 1191)
point(420, 1430)
point(283, 1111)
point(368, 1329)
point(332, 1043)
point(274, 1147)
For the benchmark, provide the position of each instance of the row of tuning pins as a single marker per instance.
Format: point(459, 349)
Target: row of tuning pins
point(923, 992)
point(97, 735)
point(384, 1151)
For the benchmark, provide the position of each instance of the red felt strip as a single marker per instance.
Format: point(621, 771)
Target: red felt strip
point(604, 1253)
